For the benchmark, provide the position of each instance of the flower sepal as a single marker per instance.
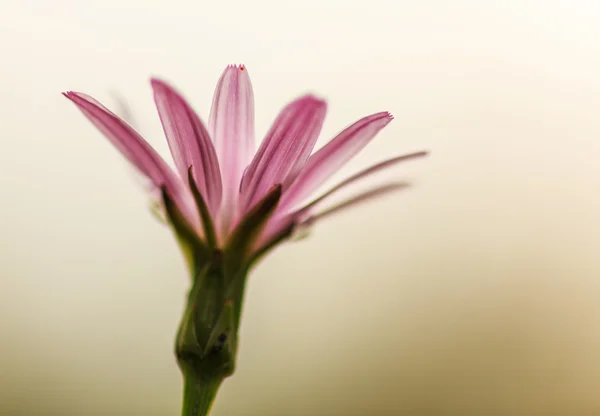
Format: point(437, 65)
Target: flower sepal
point(194, 249)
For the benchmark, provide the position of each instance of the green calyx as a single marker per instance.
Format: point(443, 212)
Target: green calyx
point(206, 343)
point(207, 340)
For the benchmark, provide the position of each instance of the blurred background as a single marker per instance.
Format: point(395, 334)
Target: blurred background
point(476, 292)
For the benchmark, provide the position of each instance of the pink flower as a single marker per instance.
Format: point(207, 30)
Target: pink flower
point(221, 164)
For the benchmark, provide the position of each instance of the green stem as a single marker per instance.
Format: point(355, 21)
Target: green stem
point(198, 396)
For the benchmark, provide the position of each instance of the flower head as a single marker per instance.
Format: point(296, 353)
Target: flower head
point(229, 203)
point(225, 192)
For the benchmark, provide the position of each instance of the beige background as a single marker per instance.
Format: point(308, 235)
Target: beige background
point(477, 292)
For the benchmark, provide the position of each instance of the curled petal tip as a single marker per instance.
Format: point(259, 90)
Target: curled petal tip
point(384, 115)
point(241, 67)
point(78, 96)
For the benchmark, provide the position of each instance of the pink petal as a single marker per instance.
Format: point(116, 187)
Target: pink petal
point(189, 142)
point(231, 125)
point(331, 157)
point(274, 232)
point(137, 150)
point(363, 174)
point(356, 200)
point(305, 217)
point(285, 149)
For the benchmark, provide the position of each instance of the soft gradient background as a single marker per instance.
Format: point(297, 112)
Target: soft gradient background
point(477, 292)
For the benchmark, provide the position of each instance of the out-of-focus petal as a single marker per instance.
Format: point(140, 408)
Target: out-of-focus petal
point(363, 174)
point(276, 231)
point(356, 200)
point(331, 157)
point(285, 149)
point(282, 226)
point(137, 150)
point(189, 142)
point(231, 125)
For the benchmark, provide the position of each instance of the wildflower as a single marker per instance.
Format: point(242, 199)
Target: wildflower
point(229, 204)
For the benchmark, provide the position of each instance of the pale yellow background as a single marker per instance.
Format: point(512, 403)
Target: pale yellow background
point(477, 292)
